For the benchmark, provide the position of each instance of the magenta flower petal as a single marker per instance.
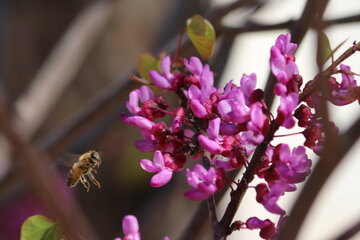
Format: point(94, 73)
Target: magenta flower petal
point(161, 178)
point(145, 93)
point(149, 166)
point(194, 65)
point(138, 121)
point(133, 104)
point(207, 78)
point(213, 129)
point(130, 227)
point(248, 83)
point(158, 159)
point(159, 80)
point(166, 67)
point(209, 145)
point(254, 223)
point(198, 109)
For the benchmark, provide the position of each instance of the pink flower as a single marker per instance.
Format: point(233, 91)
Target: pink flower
point(282, 60)
point(130, 228)
point(292, 167)
point(178, 120)
point(140, 122)
point(200, 72)
point(267, 228)
point(143, 94)
point(204, 182)
point(268, 198)
point(200, 103)
point(233, 108)
point(162, 167)
point(163, 80)
point(247, 86)
point(212, 142)
point(347, 91)
point(287, 106)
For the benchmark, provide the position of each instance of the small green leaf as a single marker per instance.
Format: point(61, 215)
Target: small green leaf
point(202, 35)
point(38, 227)
point(325, 51)
point(146, 63)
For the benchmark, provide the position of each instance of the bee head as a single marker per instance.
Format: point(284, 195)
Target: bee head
point(95, 157)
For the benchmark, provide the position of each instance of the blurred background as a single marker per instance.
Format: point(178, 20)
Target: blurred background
point(64, 71)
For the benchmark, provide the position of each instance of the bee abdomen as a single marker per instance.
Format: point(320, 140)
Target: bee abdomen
point(72, 178)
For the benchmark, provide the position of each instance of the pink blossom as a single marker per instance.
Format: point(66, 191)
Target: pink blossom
point(142, 94)
point(268, 198)
point(144, 124)
point(204, 182)
point(130, 228)
point(287, 106)
point(212, 142)
point(234, 108)
point(200, 102)
point(202, 73)
point(267, 228)
point(345, 92)
point(282, 63)
point(247, 86)
point(178, 120)
point(162, 167)
point(293, 167)
point(164, 79)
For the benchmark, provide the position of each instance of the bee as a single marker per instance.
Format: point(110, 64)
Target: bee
point(84, 168)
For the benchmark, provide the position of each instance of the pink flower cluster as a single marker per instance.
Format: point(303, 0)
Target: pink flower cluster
point(227, 124)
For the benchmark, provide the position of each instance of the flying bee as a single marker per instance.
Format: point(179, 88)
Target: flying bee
point(84, 168)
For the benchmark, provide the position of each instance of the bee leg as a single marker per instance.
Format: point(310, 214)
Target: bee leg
point(92, 178)
point(85, 183)
point(94, 171)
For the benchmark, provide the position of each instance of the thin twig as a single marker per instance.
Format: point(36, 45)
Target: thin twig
point(330, 70)
point(251, 26)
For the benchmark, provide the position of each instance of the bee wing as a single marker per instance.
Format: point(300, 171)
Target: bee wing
point(67, 159)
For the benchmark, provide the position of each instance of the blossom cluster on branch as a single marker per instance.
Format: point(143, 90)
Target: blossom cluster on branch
point(223, 126)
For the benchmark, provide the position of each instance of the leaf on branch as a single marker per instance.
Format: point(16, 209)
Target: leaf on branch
point(326, 51)
point(146, 63)
point(39, 227)
point(202, 35)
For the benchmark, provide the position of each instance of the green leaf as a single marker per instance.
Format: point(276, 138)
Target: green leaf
point(146, 63)
point(202, 35)
point(38, 227)
point(325, 51)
